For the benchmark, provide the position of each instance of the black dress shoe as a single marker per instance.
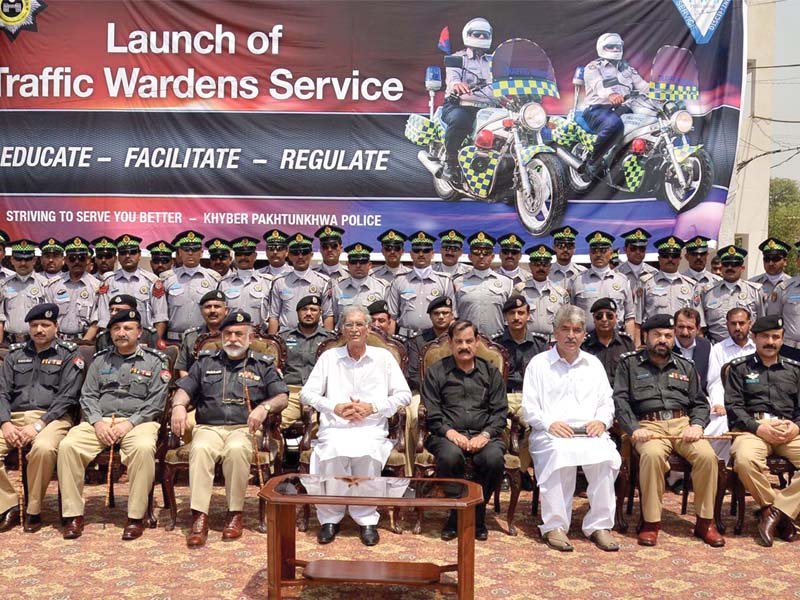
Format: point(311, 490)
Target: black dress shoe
point(33, 523)
point(770, 517)
point(450, 531)
point(369, 535)
point(327, 533)
point(9, 519)
point(481, 533)
point(787, 530)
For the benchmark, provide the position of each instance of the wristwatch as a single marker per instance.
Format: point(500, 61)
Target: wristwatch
point(486, 434)
point(38, 426)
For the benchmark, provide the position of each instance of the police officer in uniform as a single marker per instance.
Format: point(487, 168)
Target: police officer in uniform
point(480, 293)
point(76, 294)
point(4, 241)
point(129, 279)
point(330, 247)
point(542, 295)
point(277, 251)
point(601, 282)
point(773, 253)
point(245, 288)
point(728, 293)
point(40, 381)
point(289, 288)
point(359, 287)
point(451, 247)
point(392, 242)
point(382, 321)
point(510, 255)
point(564, 246)
point(126, 384)
point(608, 80)
point(410, 294)
point(105, 256)
point(214, 308)
point(186, 284)
point(657, 392)
point(697, 257)
point(635, 249)
point(124, 302)
point(606, 341)
point(160, 257)
point(52, 260)
point(219, 256)
point(785, 301)
point(666, 291)
point(761, 399)
point(19, 292)
point(227, 418)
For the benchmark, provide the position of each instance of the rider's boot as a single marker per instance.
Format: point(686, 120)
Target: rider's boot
point(451, 171)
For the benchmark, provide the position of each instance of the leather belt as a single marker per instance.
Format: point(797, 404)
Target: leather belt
point(764, 415)
point(662, 415)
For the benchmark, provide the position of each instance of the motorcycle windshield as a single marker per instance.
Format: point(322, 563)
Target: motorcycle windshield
point(674, 75)
point(522, 72)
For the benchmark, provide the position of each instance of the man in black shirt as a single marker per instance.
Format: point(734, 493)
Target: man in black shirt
point(465, 399)
point(762, 398)
point(606, 342)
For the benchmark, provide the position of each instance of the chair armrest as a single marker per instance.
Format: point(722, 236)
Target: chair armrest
point(307, 416)
point(516, 432)
point(397, 429)
point(422, 428)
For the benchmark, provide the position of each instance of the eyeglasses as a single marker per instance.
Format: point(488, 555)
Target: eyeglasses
point(102, 255)
point(274, 248)
point(23, 258)
point(481, 253)
point(354, 325)
point(421, 250)
point(329, 245)
point(564, 245)
point(599, 250)
point(483, 35)
point(160, 261)
point(245, 252)
point(672, 255)
point(300, 251)
point(128, 252)
point(357, 261)
point(450, 248)
point(773, 259)
point(604, 316)
point(392, 247)
point(510, 251)
point(77, 258)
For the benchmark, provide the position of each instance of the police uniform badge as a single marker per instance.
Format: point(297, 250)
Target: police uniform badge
point(143, 289)
point(35, 292)
point(258, 287)
point(84, 294)
point(204, 283)
point(684, 290)
point(78, 362)
point(165, 375)
point(435, 293)
point(553, 299)
point(312, 289)
point(158, 289)
point(617, 287)
point(20, 15)
point(498, 284)
point(743, 296)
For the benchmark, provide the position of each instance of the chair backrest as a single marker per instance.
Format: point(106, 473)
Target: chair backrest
point(268, 344)
point(376, 339)
point(439, 348)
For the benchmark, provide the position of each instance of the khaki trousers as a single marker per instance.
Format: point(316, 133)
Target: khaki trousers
point(653, 465)
point(750, 463)
point(41, 460)
point(515, 407)
point(412, 421)
point(137, 451)
point(294, 411)
point(233, 446)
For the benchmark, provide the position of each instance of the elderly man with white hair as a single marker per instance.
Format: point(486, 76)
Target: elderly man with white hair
point(567, 401)
point(355, 388)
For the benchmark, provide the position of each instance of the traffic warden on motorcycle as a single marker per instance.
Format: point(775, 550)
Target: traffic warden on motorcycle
point(459, 112)
point(608, 80)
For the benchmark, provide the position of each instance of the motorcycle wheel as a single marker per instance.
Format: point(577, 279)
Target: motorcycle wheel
point(442, 187)
point(699, 172)
point(579, 183)
point(546, 208)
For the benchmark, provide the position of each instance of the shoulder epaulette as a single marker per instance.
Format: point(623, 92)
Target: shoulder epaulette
point(214, 275)
point(155, 351)
point(67, 344)
point(167, 274)
point(52, 281)
point(262, 357)
point(740, 359)
point(541, 336)
point(103, 351)
point(188, 331)
point(753, 284)
point(628, 354)
point(498, 334)
point(790, 361)
point(152, 330)
point(684, 358)
point(625, 334)
point(16, 346)
point(646, 277)
point(207, 352)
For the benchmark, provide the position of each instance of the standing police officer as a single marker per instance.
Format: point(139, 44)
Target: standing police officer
point(392, 242)
point(39, 383)
point(564, 246)
point(510, 255)
point(52, 258)
point(451, 246)
point(635, 249)
point(542, 295)
point(785, 301)
point(105, 256)
point(213, 308)
point(277, 251)
point(219, 256)
point(245, 288)
point(330, 247)
point(773, 253)
point(606, 341)
point(697, 257)
point(359, 287)
point(20, 292)
point(160, 257)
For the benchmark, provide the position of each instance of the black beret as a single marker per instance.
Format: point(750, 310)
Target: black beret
point(660, 321)
point(767, 324)
point(379, 306)
point(126, 299)
point(439, 302)
point(45, 311)
point(124, 316)
point(514, 302)
point(309, 300)
point(603, 304)
point(212, 295)
point(235, 317)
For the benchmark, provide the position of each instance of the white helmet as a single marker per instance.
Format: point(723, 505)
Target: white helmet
point(477, 34)
point(609, 46)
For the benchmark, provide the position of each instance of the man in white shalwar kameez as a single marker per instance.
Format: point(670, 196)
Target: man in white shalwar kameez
point(738, 343)
point(567, 401)
point(355, 388)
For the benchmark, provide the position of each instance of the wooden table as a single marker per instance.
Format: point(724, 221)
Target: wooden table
point(283, 495)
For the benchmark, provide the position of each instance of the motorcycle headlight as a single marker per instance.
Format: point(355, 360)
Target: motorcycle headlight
point(533, 116)
point(681, 121)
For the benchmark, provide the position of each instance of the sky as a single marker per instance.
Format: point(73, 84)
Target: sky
point(785, 85)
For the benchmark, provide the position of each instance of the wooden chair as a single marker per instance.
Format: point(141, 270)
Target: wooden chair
point(270, 452)
point(424, 464)
point(395, 464)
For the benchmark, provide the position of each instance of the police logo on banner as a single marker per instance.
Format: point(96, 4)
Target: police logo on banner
point(702, 16)
point(16, 15)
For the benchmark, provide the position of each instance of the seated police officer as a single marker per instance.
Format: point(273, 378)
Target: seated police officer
point(213, 308)
point(39, 383)
point(227, 417)
point(762, 398)
point(125, 385)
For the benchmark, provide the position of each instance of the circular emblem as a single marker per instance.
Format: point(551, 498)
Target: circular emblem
point(51, 242)
point(239, 317)
point(162, 246)
point(598, 236)
point(372, 297)
point(327, 231)
point(359, 248)
point(143, 289)
point(731, 250)
point(481, 236)
point(392, 235)
point(48, 314)
point(743, 296)
point(132, 314)
point(298, 237)
point(684, 290)
point(84, 294)
point(23, 244)
point(616, 287)
point(553, 299)
point(205, 283)
point(698, 241)
point(452, 234)
point(14, 14)
point(77, 241)
point(34, 291)
point(567, 231)
point(671, 241)
point(126, 239)
point(117, 300)
point(513, 239)
point(190, 236)
point(258, 287)
point(772, 245)
point(275, 234)
point(498, 284)
point(542, 249)
point(312, 289)
point(435, 293)
point(639, 234)
point(217, 243)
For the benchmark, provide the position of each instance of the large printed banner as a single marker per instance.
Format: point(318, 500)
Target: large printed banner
point(236, 117)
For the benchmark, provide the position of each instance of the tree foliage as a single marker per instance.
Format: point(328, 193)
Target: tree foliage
point(784, 214)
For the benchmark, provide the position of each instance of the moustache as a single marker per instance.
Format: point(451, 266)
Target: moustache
point(770, 347)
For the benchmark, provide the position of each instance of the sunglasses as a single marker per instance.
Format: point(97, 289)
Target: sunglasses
point(23, 258)
point(77, 258)
point(510, 251)
point(483, 35)
point(773, 259)
point(219, 257)
point(273, 248)
point(422, 250)
point(160, 261)
point(104, 255)
point(392, 247)
point(564, 245)
point(669, 255)
point(300, 252)
point(481, 253)
point(330, 245)
point(245, 252)
point(604, 316)
point(128, 252)
point(599, 250)
point(357, 261)
point(450, 248)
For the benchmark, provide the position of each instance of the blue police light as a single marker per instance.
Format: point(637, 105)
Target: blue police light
point(433, 79)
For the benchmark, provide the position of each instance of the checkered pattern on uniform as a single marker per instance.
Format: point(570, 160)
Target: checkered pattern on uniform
point(634, 172)
point(684, 152)
point(528, 152)
point(422, 131)
point(480, 182)
point(673, 91)
point(524, 87)
point(568, 133)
